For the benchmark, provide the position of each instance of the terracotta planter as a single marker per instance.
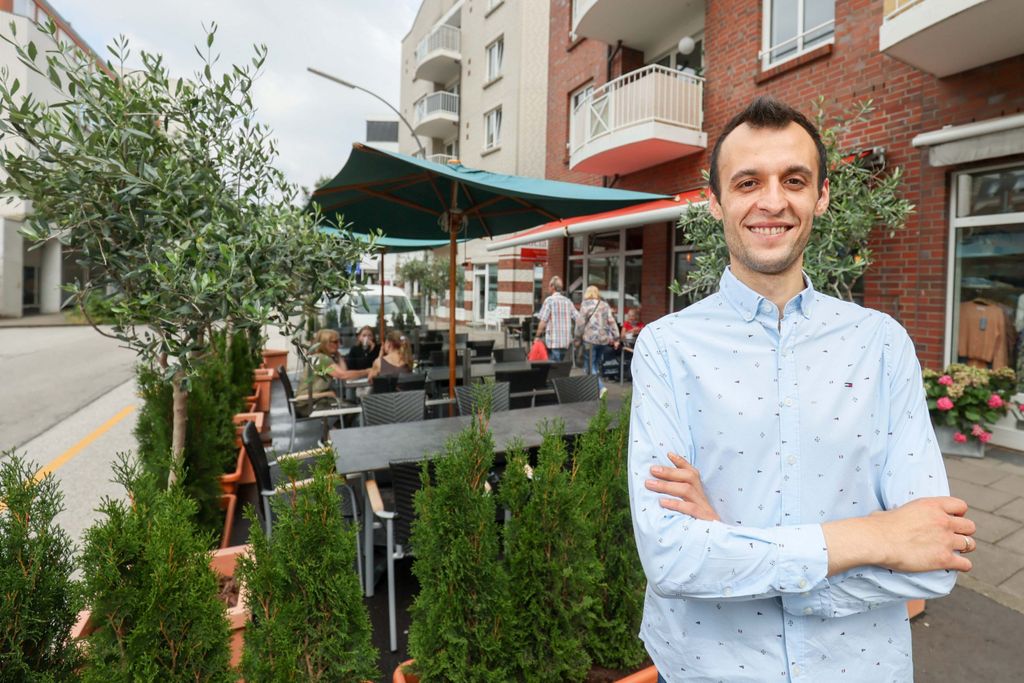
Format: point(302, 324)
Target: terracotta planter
point(275, 358)
point(240, 419)
point(261, 380)
point(914, 607)
point(228, 503)
point(648, 675)
point(229, 480)
point(221, 561)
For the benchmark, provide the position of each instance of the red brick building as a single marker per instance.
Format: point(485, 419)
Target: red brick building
point(639, 90)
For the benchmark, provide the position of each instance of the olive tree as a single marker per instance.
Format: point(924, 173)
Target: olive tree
point(862, 197)
point(165, 190)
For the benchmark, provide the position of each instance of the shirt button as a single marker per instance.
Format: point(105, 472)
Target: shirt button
point(803, 583)
point(808, 611)
point(791, 460)
point(727, 591)
point(796, 670)
point(789, 401)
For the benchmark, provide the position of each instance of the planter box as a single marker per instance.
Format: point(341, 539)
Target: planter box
point(261, 380)
point(228, 503)
point(275, 358)
point(221, 561)
point(241, 418)
point(971, 449)
point(648, 675)
point(230, 480)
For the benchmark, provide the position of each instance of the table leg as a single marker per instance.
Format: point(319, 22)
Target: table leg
point(367, 537)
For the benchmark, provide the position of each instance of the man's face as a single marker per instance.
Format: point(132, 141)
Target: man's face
point(769, 198)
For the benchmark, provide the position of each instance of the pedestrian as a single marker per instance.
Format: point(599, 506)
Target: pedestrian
point(556, 318)
point(596, 328)
point(787, 492)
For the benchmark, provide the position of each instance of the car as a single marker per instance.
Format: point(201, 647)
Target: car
point(361, 307)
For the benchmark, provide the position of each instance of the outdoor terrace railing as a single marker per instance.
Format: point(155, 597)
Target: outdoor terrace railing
point(435, 103)
point(441, 158)
point(443, 37)
point(893, 7)
point(654, 93)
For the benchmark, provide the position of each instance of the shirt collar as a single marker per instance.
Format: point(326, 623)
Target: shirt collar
point(747, 302)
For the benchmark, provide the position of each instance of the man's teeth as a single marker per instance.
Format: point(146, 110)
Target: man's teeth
point(775, 230)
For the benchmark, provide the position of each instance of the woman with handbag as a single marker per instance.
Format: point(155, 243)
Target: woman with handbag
point(597, 329)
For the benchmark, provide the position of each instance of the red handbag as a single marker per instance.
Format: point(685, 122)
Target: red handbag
point(538, 351)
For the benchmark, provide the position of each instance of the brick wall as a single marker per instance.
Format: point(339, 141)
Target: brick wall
point(908, 279)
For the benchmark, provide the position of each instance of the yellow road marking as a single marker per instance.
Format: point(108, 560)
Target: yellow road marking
point(70, 453)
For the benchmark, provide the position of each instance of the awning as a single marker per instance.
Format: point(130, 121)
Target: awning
point(656, 211)
point(974, 141)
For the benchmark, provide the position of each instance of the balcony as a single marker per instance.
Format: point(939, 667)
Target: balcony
point(640, 24)
point(639, 120)
point(437, 56)
point(443, 159)
point(437, 115)
point(945, 37)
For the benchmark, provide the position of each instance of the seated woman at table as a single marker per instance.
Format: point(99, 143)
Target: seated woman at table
point(631, 326)
point(395, 357)
point(325, 363)
point(366, 350)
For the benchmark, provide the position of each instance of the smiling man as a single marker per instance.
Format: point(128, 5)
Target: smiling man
point(787, 492)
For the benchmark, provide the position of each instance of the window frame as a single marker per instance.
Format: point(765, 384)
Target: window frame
point(493, 73)
point(494, 114)
point(765, 55)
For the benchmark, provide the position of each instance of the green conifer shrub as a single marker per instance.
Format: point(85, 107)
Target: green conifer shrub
point(553, 570)
point(242, 361)
point(460, 618)
point(152, 593)
point(310, 623)
point(601, 460)
point(38, 600)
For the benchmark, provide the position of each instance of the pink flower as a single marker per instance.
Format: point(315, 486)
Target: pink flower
point(984, 437)
point(959, 437)
point(977, 431)
point(945, 380)
point(944, 403)
point(995, 401)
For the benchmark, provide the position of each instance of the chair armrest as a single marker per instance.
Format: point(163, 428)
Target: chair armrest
point(302, 483)
point(315, 395)
point(373, 493)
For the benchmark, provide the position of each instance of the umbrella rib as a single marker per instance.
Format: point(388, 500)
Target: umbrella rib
point(385, 196)
point(401, 182)
point(432, 180)
point(476, 210)
point(534, 207)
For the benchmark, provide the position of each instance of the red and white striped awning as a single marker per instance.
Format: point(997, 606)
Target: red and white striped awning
point(639, 214)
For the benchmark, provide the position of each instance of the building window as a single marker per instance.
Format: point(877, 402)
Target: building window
point(577, 100)
point(793, 27)
point(24, 8)
point(493, 5)
point(492, 126)
point(495, 54)
point(692, 63)
point(612, 262)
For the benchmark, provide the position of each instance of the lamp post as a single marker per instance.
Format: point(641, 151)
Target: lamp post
point(345, 83)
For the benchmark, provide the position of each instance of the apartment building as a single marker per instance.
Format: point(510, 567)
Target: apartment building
point(31, 276)
point(474, 87)
point(639, 90)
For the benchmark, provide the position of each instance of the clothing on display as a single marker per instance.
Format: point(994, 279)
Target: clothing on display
point(985, 336)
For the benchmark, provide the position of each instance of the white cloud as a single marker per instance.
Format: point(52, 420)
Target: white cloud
point(315, 121)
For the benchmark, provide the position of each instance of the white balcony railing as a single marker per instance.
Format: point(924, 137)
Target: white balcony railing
point(443, 37)
point(893, 7)
point(440, 102)
point(654, 93)
point(442, 158)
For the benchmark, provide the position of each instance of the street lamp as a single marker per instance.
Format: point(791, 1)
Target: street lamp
point(321, 74)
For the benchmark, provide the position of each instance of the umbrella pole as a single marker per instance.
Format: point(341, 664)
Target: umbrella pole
point(452, 252)
point(380, 308)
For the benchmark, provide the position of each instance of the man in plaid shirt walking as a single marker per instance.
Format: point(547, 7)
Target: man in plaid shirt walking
point(557, 316)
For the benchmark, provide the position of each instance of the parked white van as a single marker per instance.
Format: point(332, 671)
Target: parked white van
point(362, 306)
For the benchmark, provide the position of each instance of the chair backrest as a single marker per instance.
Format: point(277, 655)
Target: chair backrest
point(385, 384)
point(438, 357)
point(405, 482)
point(427, 348)
point(576, 389)
point(257, 456)
point(400, 406)
point(482, 347)
point(411, 381)
point(557, 370)
point(467, 397)
point(461, 337)
point(523, 380)
point(514, 353)
point(286, 384)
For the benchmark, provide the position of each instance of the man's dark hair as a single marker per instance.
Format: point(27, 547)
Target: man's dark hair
point(767, 112)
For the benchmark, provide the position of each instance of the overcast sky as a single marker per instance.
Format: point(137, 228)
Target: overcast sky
point(314, 120)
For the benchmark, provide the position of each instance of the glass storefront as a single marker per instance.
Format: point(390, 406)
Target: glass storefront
point(611, 261)
point(987, 287)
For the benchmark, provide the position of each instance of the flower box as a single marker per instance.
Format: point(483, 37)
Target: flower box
point(228, 503)
point(261, 379)
point(229, 481)
point(275, 358)
point(972, 448)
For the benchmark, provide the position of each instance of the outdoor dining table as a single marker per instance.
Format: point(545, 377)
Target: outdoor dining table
point(439, 373)
point(363, 450)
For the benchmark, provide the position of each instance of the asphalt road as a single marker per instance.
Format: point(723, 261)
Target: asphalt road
point(47, 374)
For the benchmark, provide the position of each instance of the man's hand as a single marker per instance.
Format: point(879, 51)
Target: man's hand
point(683, 483)
point(926, 534)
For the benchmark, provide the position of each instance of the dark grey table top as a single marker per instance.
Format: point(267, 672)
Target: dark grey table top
point(364, 449)
point(439, 373)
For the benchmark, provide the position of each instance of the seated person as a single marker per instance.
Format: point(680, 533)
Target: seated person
point(366, 350)
point(632, 326)
point(395, 358)
point(326, 363)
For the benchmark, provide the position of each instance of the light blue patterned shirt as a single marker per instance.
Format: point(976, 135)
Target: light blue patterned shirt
point(817, 417)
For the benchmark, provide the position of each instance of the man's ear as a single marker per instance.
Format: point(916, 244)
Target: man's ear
point(714, 207)
point(822, 204)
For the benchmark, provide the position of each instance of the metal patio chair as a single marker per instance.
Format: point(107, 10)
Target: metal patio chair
point(576, 389)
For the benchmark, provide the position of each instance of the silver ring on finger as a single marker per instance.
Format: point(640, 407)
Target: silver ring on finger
point(967, 544)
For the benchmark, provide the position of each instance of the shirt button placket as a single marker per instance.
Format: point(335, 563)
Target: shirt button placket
point(789, 422)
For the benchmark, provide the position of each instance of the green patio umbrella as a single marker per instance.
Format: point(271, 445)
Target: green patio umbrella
point(407, 197)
